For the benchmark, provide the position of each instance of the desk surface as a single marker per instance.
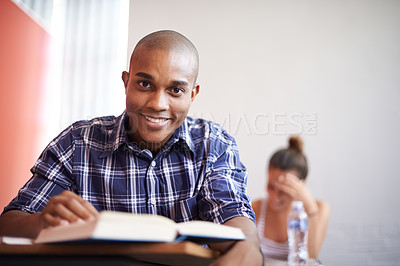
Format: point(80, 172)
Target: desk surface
point(183, 253)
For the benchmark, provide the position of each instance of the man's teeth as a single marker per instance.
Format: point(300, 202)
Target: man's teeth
point(155, 120)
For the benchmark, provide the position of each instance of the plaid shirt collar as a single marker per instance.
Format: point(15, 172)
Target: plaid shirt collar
point(117, 137)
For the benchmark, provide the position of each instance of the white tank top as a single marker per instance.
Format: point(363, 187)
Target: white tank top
point(270, 248)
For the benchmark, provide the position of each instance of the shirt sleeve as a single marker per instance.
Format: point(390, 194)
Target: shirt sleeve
point(51, 175)
point(224, 193)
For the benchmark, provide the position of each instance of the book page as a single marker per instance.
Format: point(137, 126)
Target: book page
point(210, 230)
point(15, 240)
point(135, 227)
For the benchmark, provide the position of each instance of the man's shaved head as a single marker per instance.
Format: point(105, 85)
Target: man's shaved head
point(160, 87)
point(171, 41)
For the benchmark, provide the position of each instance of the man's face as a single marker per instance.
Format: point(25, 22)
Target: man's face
point(159, 91)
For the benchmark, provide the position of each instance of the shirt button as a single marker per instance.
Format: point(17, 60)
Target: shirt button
point(153, 202)
point(153, 163)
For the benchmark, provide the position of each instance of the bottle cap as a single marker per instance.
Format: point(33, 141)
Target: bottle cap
point(297, 205)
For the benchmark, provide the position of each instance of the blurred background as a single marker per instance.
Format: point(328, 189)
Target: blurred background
point(328, 71)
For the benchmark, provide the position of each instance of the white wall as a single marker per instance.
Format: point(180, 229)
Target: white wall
point(329, 70)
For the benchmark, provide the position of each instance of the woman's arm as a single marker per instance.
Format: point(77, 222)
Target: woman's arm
point(318, 211)
point(317, 224)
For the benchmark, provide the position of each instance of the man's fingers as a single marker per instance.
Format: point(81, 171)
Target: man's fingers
point(86, 204)
point(70, 207)
point(91, 208)
point(65, 209)
point(50, 220)
point(75, 209)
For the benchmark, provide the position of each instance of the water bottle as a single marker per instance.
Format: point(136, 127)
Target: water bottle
point(298, 235)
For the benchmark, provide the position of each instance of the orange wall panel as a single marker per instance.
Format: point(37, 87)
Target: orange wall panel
point(23, 64)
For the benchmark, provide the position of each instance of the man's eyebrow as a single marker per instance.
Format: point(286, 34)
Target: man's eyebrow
point(180, 83)
point(150, 77)
point(144, 75)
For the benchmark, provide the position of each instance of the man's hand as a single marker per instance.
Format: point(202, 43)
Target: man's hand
point(65, 208)
point(245, 252)
point(242, 253)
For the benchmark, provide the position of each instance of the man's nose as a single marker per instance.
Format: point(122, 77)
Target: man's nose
point(158, 101)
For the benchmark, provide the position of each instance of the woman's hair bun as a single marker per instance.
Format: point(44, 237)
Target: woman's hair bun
point(296, 143)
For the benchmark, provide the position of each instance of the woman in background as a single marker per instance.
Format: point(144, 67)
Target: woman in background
point(287, 173)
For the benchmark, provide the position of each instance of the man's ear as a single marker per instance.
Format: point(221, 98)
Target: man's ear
point(195, 91)
point(125, 79)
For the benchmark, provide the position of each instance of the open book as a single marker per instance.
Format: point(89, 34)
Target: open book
point(121, 226)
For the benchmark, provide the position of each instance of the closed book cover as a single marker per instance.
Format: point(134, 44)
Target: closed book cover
point(120, 226)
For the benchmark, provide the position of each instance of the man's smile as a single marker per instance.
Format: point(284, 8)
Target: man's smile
point(155, 119)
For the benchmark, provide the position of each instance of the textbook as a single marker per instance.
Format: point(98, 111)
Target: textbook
point(129, 227)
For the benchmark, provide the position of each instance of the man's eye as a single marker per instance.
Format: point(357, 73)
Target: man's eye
point(144, 84)
point(177, 91)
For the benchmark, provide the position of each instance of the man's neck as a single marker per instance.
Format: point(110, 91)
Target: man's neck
point(144, 145)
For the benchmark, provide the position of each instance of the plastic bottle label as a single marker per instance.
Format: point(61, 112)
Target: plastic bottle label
point(301, 225)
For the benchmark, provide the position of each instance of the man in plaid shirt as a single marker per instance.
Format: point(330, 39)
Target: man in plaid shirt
point(151, 159)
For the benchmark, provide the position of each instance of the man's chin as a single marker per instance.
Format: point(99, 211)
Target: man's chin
point(155, 142)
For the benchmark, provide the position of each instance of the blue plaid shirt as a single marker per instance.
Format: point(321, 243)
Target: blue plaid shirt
point(197, 174)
